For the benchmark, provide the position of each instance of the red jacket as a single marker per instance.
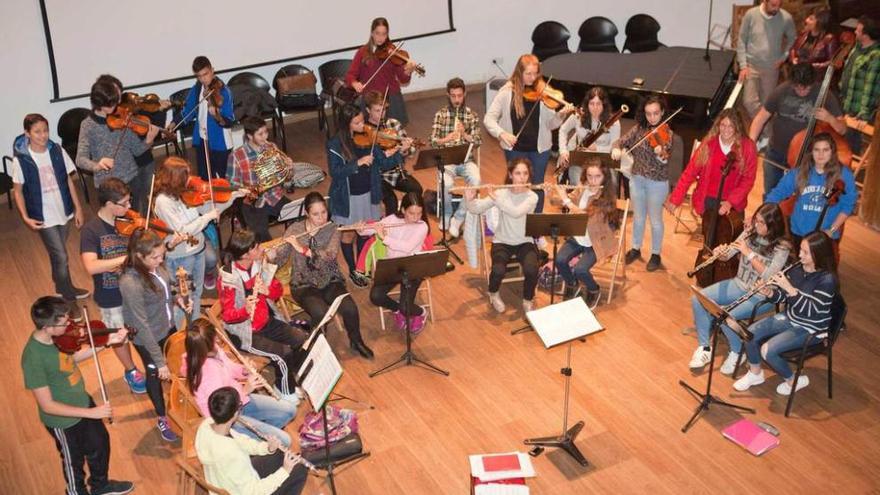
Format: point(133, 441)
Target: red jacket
point(233, 314)
point(736, 186)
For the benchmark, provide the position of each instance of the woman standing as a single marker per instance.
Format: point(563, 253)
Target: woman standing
point(815, 45)
point(594, 110)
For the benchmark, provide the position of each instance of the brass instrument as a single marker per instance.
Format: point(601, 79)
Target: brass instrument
point(271, 168)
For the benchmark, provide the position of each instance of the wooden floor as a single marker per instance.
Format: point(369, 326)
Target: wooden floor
point(504, 389)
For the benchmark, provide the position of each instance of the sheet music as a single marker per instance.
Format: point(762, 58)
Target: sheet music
point(563, 321)
point(526, 469)
point(322, 372)
point(331, 312)
point(499, 489)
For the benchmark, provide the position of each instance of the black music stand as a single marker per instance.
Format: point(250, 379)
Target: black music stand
point(718, 314)
point(438, 158)
point(402, 271)
point(554, 225)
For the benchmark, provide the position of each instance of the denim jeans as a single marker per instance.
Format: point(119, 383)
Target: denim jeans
point(647, 199)
point(773, 174)
point(471, 174)
point(780, 335)
point(195, 266)
point(55, 240)
point(581, 271)
point(723, 293)
point(539, 168)
point(269, 416)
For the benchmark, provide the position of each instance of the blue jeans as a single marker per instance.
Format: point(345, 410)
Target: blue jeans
point(723, 293)
point(470, 171)
point(539, 168)
point(780, 335)
point(647, 199)
point(773, 174)
point(581, 271)
point(269, 416)
point(55, 240)
point(195, 267)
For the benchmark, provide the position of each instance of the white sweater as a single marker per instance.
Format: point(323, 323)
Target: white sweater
point(572, 132)
point(513, 209)
point(497, 120)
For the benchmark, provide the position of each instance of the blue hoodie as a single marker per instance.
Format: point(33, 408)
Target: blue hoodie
point(31, 189)
point(811, 201)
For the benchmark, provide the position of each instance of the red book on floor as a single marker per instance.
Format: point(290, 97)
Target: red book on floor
point(505, 462)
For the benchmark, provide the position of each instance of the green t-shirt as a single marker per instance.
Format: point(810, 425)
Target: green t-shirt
point(44, 366)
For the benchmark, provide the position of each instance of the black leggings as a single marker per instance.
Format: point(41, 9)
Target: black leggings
point(265, 465)
point(379, 297)
point(317, 301)
point(154, 384)
point(282, 344)
point(527, 256)
point(406, 184)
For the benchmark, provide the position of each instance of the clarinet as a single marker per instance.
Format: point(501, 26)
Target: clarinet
point(299, 459)
point(757, 288)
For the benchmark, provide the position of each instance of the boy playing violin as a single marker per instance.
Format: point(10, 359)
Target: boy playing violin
point(66, 409)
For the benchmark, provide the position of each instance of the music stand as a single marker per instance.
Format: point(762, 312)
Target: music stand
point(438, 158)
point(403, 270)
point(554, 225)
point(718, 314)
point(559, 324)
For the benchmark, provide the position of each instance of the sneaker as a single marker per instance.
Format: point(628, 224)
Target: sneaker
point(417, 323)
point(700, 358)
point(632, 255)
point(748, 380)
point(165, 429)
point(359, 279)
point(81, 293)
point(74, 312)
point(528, 305)
point(136, 381)
point(454, 229)
point(785, 389)
point(653, 263)
point(592, 298)
point(571, 291)
point(729, 364)
point(114, 487)
point(496, 301)
point(399, 320)
point(762, 143)
point(210, 281)
point(541, 243)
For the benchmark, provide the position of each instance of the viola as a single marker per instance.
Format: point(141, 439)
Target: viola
point(546, 94)
point(132, 220)
point(75, 336)
point(387, 51)
point(384, 138)
point(198, 191)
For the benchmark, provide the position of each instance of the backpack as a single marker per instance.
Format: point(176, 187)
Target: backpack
point(340, 424)
point(306, 175)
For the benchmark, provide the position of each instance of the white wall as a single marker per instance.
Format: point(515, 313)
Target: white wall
point(485, 30)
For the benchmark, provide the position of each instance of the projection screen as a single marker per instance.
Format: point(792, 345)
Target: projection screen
point(155, 42)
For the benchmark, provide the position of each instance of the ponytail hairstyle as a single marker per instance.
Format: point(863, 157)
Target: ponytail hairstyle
point(200, 337)
point(140, 245)
point(641, 119)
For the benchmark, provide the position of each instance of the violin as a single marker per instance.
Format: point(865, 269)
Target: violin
point(75, 336)
point(198, 191)
point(217, 96)
point(542, 91)
point(124, 118)
point(387, 51)
point(662, 137)
point(149, 103)
point(385, 138)
point(132, 220)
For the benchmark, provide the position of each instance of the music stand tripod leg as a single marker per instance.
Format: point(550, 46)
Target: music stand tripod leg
point(330, 466)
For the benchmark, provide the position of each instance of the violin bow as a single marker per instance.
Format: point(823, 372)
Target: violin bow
point(150, 199)
point(88, 326)
point(376, 136)
point(652, 131)
point(529, 115)
point(396, 49)
point(191, 110)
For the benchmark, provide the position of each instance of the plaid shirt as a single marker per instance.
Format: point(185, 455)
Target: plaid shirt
point(444, 124)
point(241, 174)
point(860, 82)
point(393, 176)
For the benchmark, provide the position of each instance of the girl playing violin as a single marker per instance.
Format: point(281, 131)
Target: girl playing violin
point(198, 259)
point(522, 130)
point(594, 110)
point(369, 72)
point(650, 178)
point(355, 181)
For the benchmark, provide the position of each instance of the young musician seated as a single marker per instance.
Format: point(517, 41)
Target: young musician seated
point(316, 280)
point(763, 250)
point(207, 368)
point(403, 234)
point(514, 204)
point(456, 124)
point(808, 291)
point(598, 200)
point(241, 173)
point(595, 110)
point(248, 293)
point(66, 410)
point(812, 183)
point(395, 178)
point(239, 464)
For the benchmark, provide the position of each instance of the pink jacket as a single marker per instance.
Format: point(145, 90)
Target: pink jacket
point(218, 371)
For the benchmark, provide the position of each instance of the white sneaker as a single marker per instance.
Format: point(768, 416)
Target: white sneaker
point(496, 301)
point(541, 243)
point(785, 389)
point(528, 305)
point(454, 227)
point(748, 380)
point(700, 358)
point(729, 364)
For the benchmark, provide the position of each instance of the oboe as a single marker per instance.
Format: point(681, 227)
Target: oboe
point(299, 459)
point(757, 288)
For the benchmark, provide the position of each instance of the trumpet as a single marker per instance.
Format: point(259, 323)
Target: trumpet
point(757, 288)
point(299, 459)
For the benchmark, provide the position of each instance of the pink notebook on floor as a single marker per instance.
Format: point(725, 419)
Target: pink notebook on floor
point(750, 436)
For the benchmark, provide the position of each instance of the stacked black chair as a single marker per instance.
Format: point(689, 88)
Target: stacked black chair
point(245, 82)
point(68, 131)
point(597, 35)
point(550, 38)
point(302, 99)
point(641, 34)
point(332, 75)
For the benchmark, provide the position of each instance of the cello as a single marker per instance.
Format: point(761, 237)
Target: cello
point(718, 229)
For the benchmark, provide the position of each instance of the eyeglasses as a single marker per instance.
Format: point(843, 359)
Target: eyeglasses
point(124, 204)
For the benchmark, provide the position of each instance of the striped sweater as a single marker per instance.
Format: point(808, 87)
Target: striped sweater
point(810, 308)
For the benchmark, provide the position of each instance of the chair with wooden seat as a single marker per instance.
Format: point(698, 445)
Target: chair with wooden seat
point(182, 407)
point(191, 475)
point(424, 291)
point(606, 271)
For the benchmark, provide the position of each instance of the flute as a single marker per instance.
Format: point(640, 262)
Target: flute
point(247, 365)
point(542, 185)
point(365, 225)
point(299, 459)
point(274, 243)
point(757, 288)
point(712, 259)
